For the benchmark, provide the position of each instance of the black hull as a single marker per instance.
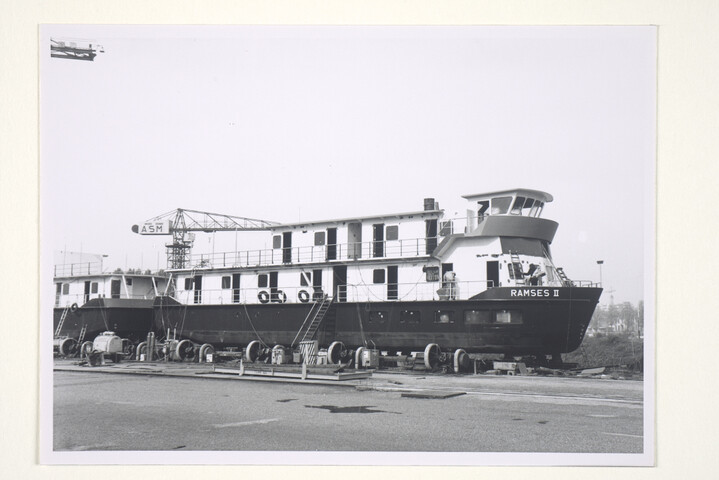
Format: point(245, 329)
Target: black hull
point(128, 318)
point(550, 325)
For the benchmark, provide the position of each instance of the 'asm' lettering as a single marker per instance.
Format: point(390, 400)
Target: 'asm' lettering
point(152, 228)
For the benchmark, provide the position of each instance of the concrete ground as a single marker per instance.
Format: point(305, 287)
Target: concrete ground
point(133, 406)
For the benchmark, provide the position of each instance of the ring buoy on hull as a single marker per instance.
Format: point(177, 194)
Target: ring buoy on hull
point(304, 296)
point(263, 296)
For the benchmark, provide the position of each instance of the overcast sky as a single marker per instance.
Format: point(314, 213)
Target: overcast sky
point(288, 123)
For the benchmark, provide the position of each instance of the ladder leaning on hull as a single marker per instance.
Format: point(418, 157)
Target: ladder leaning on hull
point(62, 321)
point(316, 315)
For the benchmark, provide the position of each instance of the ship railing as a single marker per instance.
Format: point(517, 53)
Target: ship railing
point(406, 248)
point(400, 292)
point(80, 268)
point(585, 283)
point(81, 298)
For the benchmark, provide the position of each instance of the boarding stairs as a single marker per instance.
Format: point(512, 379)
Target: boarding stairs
point(563, 276)
point(62, 321)
point(309, 327)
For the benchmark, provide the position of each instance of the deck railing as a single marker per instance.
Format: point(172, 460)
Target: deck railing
point(80, 268)
point(407, 248)
point(399, 292)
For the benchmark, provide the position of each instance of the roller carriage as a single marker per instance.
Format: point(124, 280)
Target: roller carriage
point(172, 349)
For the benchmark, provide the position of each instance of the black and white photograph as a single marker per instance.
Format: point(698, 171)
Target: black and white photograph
point(347, 245)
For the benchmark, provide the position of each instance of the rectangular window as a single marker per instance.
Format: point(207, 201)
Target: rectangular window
point(93, 287)
point(431, 274)
point(226, 282)
point(262, 280)
point(444, 316)
point(515, 271)
point(378, 317)
point(319, 238)
point(393, 232)
point(128, 281)
point(197, 282)
point(518, 205)
point(500, 205)
point(513, 317)
point(188, 284)
point(277, 241)
point(305, 279)
point(477, 317)
point(378, 275)
point(410, 317)
point(65, 288)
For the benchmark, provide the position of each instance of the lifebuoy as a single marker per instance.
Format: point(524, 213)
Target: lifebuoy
point(263, 296)
point(304, 296)
point(74, 308)
point(281, 297)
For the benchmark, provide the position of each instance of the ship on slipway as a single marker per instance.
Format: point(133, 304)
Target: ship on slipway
point(89, 301)
point(400, 282)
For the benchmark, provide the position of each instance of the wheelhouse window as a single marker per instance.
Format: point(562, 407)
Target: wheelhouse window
point(188, 284)
point(477, 317)
point(536, 209)
point(378, 275)
point(378, 317)
point(392, 232)
point(500, 205)
point(444, 316)
point(410, 317)
point(513, 317)
point(319, 238)
point(93, 287)
point(226, 282)
point(262, 280)
point(305, 279)
point(277, 241)
point(518, 205)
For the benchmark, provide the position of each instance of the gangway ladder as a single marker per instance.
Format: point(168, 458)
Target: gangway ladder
point(565, 279)
point(517, 268)
point(81, 337)
point(319, 315)
point(62, 321)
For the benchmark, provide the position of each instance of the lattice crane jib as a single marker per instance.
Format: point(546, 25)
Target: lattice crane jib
point(180, 223)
